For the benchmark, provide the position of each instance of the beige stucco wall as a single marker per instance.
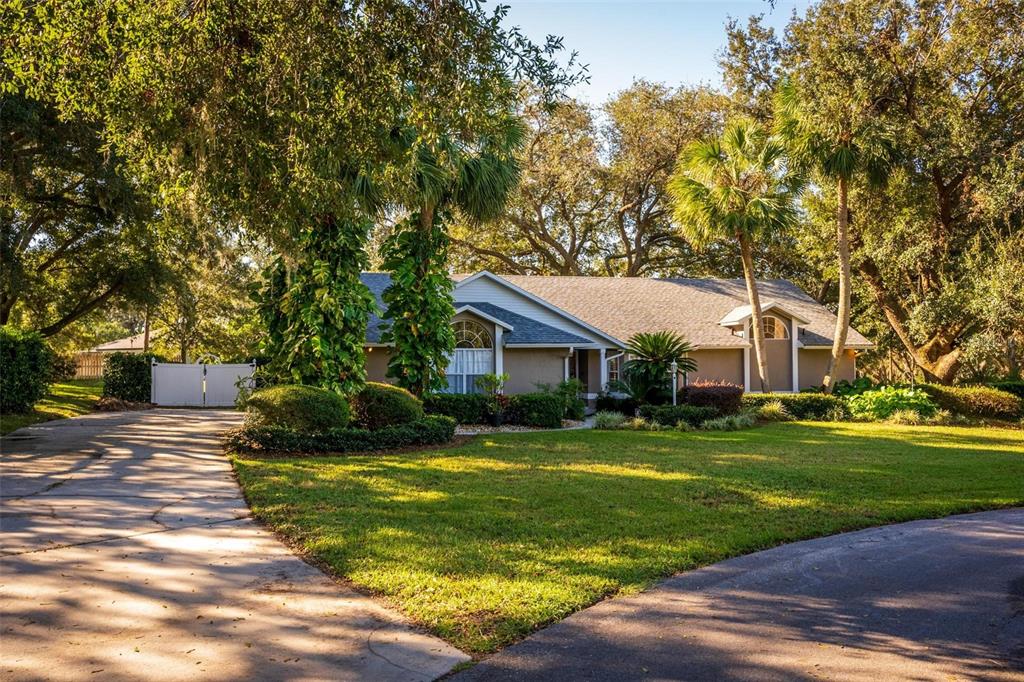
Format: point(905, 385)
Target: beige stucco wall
point(718, 365)
point(814, 361)
point(377, 364)
point(779, 354)
point(594, 372)
point(528, 366)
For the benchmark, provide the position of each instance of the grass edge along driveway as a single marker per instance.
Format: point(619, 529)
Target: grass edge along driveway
point(64, 399)
point(484, 543)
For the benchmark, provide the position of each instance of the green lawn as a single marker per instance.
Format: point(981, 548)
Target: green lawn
point(485, 542)
point(66, 399)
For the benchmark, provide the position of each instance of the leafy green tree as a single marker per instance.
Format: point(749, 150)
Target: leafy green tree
point(475, 181)
point(736, 187)
point(77, 235)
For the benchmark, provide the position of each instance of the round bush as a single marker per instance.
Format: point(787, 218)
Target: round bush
point(24, 369)
point(303, 409)
point(128, 376)
point(379, 405)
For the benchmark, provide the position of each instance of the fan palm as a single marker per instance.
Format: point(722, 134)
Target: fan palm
point(736, 187)
point(447, 175)
point(646, 376)
point(836, 149)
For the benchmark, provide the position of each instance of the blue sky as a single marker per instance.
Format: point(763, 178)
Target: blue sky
point(670, 41)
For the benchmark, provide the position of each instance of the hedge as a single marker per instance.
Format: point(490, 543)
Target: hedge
point(24, 369)
point(808, 406)
point(1014, 386)
point(725, 397)
point(976, 401)
point(379, 405)
point(128, 376)
point(430, 430)
point(543, 410)
point(671, 415)
point(302, 409)
point(464, 408)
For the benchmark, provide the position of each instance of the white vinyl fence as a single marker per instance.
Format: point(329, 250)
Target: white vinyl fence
point(199, 385)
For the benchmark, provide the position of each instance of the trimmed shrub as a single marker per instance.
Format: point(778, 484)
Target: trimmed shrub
point(608, 420)
point(24, 369)
point(882, 402)
point(543, 410)
point(464, 408)
point(672, 415)
point(430, 430)
point(610, 403)
point(809, 406)
point(1015, 386)
point(723, 396)
point(298, 409)
point(379, 405)
point(63, 367)
point(128, 376)
point(976, 401)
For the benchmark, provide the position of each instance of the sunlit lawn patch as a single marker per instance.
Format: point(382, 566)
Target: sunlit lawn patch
point(65, 399)
point(486, 542)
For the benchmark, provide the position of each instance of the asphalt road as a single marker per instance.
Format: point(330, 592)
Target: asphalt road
point(926, 600)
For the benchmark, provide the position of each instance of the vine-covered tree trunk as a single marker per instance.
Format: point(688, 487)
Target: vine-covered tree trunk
point(419, 302)
point(316, 308)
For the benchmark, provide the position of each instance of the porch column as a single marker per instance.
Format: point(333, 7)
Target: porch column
point(565, 365)
point(499, 350)
point(746, 364)
point(604, 370)
point(796, 368)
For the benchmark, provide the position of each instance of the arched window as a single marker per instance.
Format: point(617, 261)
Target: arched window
point(774, 327)
point(471, 334)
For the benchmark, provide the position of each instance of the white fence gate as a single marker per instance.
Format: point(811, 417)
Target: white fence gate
point(200, 385)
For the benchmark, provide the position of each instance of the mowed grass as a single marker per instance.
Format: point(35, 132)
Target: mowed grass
point(65, 399)
point(486, 542)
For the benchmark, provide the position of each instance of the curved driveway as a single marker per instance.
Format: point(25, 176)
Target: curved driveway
point(128, 553)
point(926, 600)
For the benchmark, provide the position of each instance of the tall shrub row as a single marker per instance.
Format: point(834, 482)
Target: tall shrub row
point(24, 369)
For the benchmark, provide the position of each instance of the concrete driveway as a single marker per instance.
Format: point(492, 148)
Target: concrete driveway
point(927, 600)
point(128, 553)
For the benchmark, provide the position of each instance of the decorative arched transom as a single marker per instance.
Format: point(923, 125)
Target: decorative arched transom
point(471, 334)
point(774, 327)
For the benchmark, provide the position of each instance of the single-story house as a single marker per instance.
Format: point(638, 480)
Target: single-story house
point(541, 330)
point(89, 362)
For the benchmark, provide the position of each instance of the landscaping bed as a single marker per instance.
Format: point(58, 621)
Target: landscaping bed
point(485, 542)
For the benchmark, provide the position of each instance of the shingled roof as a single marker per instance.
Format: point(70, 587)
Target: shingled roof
point(524, 330)
point(623, 306)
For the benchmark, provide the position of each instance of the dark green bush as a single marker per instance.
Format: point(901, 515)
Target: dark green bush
point(430, 430)
point(128, 376)
point(379, 405)
point(671, 415)
point(976, 401)
point(24, 369)
point(63, 367)
point(723, 396)
point(1014, 386)
point(541, 409)
point(299, 409)
point(464, 408)
point(808, 406)
point(610, 403)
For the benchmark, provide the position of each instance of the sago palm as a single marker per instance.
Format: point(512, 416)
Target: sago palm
point(836, 149)
point(736, 187)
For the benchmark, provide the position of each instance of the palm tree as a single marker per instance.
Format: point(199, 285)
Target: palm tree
point(739, 187)
point(836, 149)
point(446, 176)
point(647, 375)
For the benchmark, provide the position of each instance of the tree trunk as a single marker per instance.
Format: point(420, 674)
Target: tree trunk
point(757, 325)
point(843, 314)
point(145, 333)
